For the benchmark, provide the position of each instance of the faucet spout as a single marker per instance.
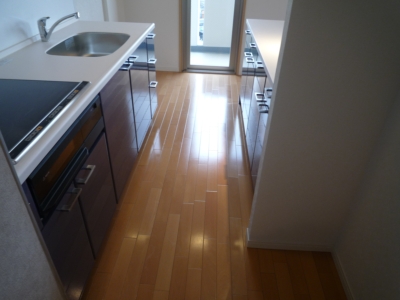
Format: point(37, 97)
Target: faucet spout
point(44, 34)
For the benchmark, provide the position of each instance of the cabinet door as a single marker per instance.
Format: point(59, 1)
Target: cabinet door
point(140, 92)
point(254, 116)
point(97, 198)
point(262, 125)
point(68, 244)
point(116, 99)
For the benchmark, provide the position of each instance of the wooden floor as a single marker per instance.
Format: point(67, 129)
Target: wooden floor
point(180, 229)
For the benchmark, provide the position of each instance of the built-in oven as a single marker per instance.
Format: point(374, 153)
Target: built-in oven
point(52, 178)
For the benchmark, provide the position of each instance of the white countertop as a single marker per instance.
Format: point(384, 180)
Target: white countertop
point(32, 62)
point(268, 36)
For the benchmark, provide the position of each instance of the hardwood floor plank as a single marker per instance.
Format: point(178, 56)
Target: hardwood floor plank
point(191, 179)
point(266, 261)
point(178, 194)
point(270, 286)
point(153, 255)
point(212, 168)
point(161, 169)
point(193, 284)
point(312, 277)
point(150, 212)
point(238, 269)
point(209, 270)
point(283, 281)
point(178, 280)
point(132, 280)
point(234, 198)
point(160, 295)
point(121, 268)
point(224, 286)
point(201, 182)
point(253, 272)
point(299, 282)
point(136, 215)
point(145, 292)
point(196, 240)
point(222, 169)
point(96, 286)
point(223, 215)
point(210, 218)
point(167, 254)
point(185, 231)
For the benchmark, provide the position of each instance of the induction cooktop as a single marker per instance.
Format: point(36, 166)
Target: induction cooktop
point(28, 106)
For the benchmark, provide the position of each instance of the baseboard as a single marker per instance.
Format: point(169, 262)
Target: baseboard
point(342, 275)
point(287, 246)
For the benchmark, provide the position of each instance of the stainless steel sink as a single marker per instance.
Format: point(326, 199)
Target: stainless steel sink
point(90, 44)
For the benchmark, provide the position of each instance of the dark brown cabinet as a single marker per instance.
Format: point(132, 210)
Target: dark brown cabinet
point(68, 244)
point(116, 100)
point(97, 198)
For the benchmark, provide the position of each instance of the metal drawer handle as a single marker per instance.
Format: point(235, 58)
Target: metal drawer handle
point(126, 67)
point(249, 60)
point(152, 61)
point(85, 180)
point(268, 92)
point(263, 108)
point(253, 45)
point(153, 84)
point(247, 31)
point(70, 206)
point(260, 65)
point(132, 58)
point(151, 36)
point(260, 97)
point(248, 54)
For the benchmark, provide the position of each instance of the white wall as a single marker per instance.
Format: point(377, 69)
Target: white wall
point(18, 19)
point(266, 9)
point(165, 15)
point(90, 10)
point(368, 249)
point(25, 269)
point(337, 77)
point(218, 22)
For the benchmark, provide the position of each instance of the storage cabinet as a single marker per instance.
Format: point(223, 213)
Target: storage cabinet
point(254, 101)
point(97, 198)
point(140, 91)
point(68, 244)
point(116, 100)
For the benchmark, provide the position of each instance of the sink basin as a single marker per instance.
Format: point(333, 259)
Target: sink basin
point(90, 44)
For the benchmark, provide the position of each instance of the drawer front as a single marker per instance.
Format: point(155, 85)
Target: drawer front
point(98, 197)
point(69, 247)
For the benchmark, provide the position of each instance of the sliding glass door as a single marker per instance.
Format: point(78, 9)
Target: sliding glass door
point(211, 34)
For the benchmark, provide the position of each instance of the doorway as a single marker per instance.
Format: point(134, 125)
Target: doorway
point(211, 34)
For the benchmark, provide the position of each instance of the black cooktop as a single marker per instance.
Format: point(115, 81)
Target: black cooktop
point(28, 106)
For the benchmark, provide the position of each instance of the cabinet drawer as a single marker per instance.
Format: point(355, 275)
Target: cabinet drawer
point(97, 198)
point(68, 244)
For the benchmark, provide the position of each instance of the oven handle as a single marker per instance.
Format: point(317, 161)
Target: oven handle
point(62, 185)
point(68, 207)
point(85, 180)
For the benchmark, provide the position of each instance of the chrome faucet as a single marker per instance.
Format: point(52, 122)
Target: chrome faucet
point(44, 34)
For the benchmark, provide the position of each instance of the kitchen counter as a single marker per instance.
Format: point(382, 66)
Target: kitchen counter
point(32, 63)
point(268, 36)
